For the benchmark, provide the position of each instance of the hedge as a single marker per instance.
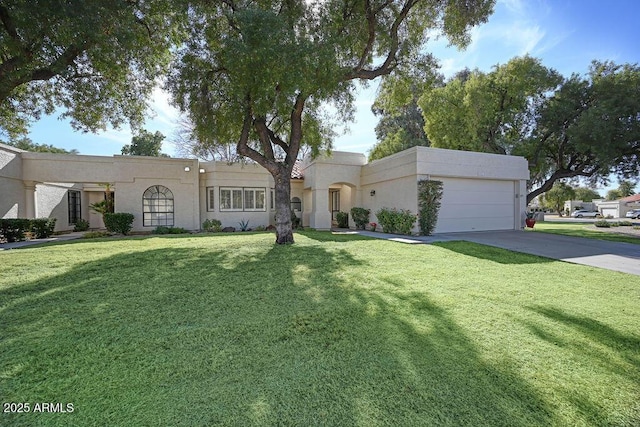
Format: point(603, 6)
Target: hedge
point(15, 229)
point(120, 222)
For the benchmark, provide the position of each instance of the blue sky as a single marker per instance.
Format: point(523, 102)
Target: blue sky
point(565, 34)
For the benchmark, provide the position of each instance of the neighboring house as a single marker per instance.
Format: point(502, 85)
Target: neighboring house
point(574, 205)
point(619, 208)
point(480, 192)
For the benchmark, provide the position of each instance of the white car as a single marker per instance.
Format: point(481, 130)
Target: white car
point(583, 213)
point(633, 213)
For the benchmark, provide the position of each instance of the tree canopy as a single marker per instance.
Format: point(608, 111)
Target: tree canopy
point(557, 195)
point(587, 127)
point(145, 144)
point(97, 60)
point(263, 72)
point(28, 145)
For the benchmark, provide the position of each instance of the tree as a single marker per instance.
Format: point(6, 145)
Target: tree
point(555, 198)
point(97, 59)
point(565, 127)
point(145, 144)
point(625, 188)
point(586, 194)
point(262, 72)
point(187, 144)
point(28, 145)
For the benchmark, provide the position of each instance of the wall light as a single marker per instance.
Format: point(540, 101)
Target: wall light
point(372, 193)
point(201, 170)
point(187, 168)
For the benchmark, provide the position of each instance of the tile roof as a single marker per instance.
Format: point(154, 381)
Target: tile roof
point(296, 172)
point(634, 198)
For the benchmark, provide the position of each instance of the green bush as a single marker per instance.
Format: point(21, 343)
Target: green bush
point(81, 225)
point(42, 227)
point(625, 223)
point(161, 229)
point(212, 225)
point(360, 217)
point(602, 224)
point(396, 221)
point(14, 229)
point(429, 195)
point(296, 223)
point(343, 219)
point(120, 222)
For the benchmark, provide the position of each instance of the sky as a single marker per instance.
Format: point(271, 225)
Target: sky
point(565, 34)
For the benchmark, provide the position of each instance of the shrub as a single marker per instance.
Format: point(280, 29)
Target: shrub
point(14, 229)
point(396, 221)
point(602, 224)
point(161, 229)
point(42, 227)
point(625, 223)
point(360, 216)
point(343, 219)
point(81, 225)
point(96, 234)
point(212, 225)
point(120, 222)
point(429, 195)
point(296, 223)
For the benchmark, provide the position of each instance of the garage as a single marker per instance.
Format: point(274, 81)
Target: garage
point(476, 205)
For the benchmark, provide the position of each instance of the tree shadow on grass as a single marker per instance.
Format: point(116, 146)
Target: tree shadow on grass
point(274, 335)
point(491, 253)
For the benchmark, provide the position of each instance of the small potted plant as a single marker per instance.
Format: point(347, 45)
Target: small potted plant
point(373, 226)
point(531, 219)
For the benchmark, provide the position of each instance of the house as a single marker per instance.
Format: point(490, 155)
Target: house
point(480, 191)
point(618, 208)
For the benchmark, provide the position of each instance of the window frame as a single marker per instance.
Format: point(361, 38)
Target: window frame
point(152, 211)
point(74, 206)
point(233, 207)
point(242, 206)
point(211, 199)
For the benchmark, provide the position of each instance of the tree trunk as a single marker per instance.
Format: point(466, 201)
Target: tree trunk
point(284, 230)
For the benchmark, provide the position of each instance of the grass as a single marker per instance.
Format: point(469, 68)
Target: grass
point(334, 330)
point(582, 230)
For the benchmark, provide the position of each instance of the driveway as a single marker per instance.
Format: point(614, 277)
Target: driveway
point(624, 257)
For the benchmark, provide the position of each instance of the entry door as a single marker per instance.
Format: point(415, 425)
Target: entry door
point(334, 199)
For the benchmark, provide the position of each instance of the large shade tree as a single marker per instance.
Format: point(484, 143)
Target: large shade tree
point(95, 60)
point(262, 72)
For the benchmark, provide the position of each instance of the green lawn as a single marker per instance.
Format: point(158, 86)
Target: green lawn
point(334, 330)
point(582, 230)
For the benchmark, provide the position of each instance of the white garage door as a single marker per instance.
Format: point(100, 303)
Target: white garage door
point(476, 205)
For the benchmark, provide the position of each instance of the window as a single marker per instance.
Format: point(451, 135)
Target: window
point(296, 204)
point(210, 198)
point(73, 202)
point(242, 199)
point(231, 199)
point(157, 207)
point(272, 200)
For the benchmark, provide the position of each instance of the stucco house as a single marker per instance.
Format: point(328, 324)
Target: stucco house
point(618, 208)
point(480, 191)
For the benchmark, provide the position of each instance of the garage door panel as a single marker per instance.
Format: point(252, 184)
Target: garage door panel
point(476, 205)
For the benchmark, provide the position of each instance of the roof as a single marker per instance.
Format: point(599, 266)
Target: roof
point(634, 198)
point(296, 172)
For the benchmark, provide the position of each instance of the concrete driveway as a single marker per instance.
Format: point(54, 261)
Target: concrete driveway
point(624, 257)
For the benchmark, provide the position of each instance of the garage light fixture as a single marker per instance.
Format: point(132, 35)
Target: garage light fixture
point(372, 193)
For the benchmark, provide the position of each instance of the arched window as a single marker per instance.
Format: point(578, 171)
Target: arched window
point(157, 206)
point(296, 204)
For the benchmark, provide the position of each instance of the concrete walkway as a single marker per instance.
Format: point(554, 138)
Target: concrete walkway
point(60, 238)
point(624, 257)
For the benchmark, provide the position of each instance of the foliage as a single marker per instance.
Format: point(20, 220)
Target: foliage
point(161, 229)
point(342, 218)
point(28, 145)
point(263, 73)
point(296, 223)
point(119, 222)
point(98, 59)
point(396, 221)
point(107, 205)
point(405, 325)
point(586, 194)
point(584, 127)
point(429, 196)
point(145, 144)
point(555, 198)
point(360, 217)
point(14, 229)
point(244, 225)
point(603, 223)
point(81, 225)
point(212, 225)
point(625, 188)
point(42, 227)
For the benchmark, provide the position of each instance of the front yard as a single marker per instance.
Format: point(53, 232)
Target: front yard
point(334, 330)
point(626, 234)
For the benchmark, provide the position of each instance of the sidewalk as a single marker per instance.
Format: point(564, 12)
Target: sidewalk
point(60, 238)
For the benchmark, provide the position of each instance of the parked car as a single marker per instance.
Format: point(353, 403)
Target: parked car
point(583, 213)
point(633, 213)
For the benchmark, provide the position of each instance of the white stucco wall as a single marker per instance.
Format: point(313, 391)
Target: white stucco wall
point(12, 192)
